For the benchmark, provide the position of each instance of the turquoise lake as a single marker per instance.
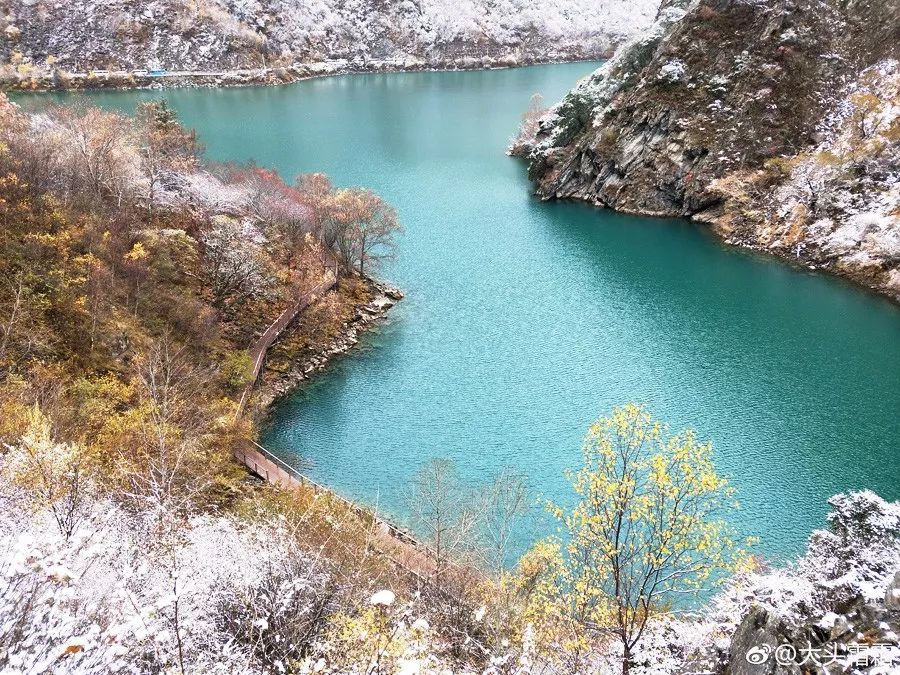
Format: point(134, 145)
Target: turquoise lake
point(524, 321)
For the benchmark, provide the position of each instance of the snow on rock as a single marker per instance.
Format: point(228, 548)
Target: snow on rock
point(777, 124)
point(383, 598)
point(847, 188)
point(672, 71)
point(831, 595)
point(592, 95)
point(228, 34)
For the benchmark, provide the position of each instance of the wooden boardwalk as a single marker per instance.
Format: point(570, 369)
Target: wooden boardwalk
point(261, 347)
point(400, 547)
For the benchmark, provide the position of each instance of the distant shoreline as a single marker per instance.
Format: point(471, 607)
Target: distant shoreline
point(97, 80)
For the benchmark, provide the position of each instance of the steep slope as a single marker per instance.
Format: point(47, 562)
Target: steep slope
point(776, 121)
point(228, 34)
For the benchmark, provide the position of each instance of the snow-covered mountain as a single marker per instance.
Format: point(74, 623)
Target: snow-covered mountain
point(80, 35)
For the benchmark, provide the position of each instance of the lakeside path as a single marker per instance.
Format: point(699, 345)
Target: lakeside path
point(401, 548)
point(259, 350)
point(409, 555)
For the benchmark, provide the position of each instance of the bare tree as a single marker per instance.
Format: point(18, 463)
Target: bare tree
point(505, 503)
point(18, 289)
point(526, 136)
point(17, 337)
point(99, 152)
point(164, 457)
point(443, 512)
point(375, 232)
point(361, 227)
point(98, 286)
point(866, 107)
point(314, 189)
point(234, 265)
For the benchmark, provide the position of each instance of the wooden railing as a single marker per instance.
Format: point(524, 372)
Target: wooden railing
point(272, 469)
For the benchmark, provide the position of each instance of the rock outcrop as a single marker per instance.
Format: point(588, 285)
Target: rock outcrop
point(833, 611)
point(862, 639)
point(304, 366)
point(759, 635)
point(775, 121)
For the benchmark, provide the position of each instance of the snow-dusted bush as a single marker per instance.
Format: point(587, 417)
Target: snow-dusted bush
point(54, 617)
point(209, 192)
point(234, 261)
point(112, 599)
point(280, 618)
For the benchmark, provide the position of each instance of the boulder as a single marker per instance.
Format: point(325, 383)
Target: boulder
point(892, 594)
point(392, 292)
point(755, 642)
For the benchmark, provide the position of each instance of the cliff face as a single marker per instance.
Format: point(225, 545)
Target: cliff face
point(776, 121)
point(226, 34)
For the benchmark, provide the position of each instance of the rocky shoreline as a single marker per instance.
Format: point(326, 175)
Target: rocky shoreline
point(366, 316)
point(130, 43)
point(273, 76)
point(860, 277)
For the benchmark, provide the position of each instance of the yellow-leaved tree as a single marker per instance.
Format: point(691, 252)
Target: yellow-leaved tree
point(647, 527)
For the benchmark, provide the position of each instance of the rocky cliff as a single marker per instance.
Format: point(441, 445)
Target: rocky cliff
point(81, 35)
point(775, 121)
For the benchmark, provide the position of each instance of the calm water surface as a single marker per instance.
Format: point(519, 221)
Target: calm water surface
point(525, 321)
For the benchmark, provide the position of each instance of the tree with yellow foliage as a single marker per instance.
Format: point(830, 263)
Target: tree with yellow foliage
point(647, 527)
